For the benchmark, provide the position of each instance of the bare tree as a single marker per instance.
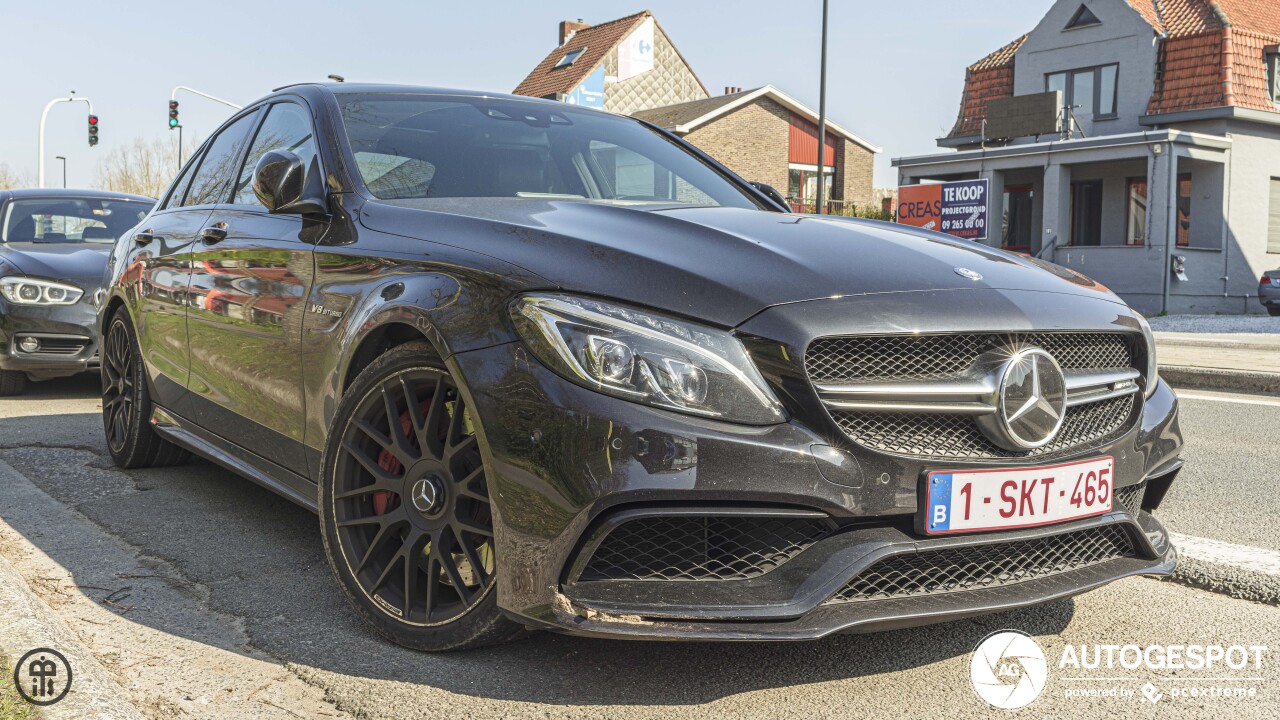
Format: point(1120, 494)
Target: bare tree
point(143, 167)
point(10, 178)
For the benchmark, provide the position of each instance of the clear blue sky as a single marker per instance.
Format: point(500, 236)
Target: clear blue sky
point(895, 77)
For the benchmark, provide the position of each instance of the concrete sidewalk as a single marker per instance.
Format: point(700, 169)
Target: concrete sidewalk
point(1247, 362)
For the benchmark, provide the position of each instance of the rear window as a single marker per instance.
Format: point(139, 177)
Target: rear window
point(432, 146)
point(70, 220)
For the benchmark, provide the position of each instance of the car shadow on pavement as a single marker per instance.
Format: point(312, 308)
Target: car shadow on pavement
point(260, 559)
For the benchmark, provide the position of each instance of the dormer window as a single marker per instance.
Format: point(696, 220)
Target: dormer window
point(1273, 73)
point(1084, 17)
point(570, 58)
point(1088, 91)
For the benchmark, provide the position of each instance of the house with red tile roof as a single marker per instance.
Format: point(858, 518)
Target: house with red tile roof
point(1135, 141)
point(630, 66)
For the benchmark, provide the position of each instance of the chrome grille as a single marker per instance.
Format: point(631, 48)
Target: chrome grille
point(701, 547)
point(957, 436)
point(956, 569)
point(913, 357)
point(923, 395)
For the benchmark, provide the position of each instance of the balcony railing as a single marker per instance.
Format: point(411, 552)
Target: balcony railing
point(834, 207)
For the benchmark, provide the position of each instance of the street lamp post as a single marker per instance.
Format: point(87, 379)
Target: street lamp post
point(40, 141)
point(822, 117)
point(64, 170)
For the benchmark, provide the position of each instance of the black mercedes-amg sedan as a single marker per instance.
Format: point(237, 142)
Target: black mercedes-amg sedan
point(538, 366)
point(53, 250)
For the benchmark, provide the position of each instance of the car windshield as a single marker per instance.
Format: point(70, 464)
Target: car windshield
point(70, 220)
point(432, 146)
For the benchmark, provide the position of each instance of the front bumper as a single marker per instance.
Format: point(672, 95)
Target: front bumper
point(565, 462)
point(66, 333)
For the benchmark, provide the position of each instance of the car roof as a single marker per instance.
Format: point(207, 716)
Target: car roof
point(21, 193)
point(346, 88)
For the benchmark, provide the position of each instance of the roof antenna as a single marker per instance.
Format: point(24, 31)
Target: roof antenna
point(337, 78)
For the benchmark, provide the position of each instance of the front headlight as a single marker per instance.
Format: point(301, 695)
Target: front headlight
point(1153, 370)
point(29, 291)
point(647, 358)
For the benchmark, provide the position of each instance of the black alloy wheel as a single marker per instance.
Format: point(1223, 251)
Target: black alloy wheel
point(126, 403)
point(117, 386)
point(406, 509)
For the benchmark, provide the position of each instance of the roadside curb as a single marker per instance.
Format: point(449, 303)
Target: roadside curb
point(1220, 379)
point(27, 622)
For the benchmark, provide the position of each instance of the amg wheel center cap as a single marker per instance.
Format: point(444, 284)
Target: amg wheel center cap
point(426, 494)
point(1031, 401)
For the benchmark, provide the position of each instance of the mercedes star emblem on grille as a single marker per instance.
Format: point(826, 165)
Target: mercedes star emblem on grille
point(1031, 401)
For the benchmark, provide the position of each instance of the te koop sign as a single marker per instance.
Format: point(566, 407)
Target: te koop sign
point(955, 208)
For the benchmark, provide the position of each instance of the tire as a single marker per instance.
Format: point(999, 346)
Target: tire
point(12, 383)
point(1273, 310)
point(126, 403)
point(404, 508)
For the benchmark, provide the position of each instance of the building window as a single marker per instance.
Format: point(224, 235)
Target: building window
point(570, 58)
point(1135, 212)
point(1019, 212)
point(802, 185)
point(1273, 224)
point(1184, 210)
point(1088, 91)
point(1084, 17)
point(1273, 73)
point(1086, 213)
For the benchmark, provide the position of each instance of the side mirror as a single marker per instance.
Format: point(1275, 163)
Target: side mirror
point(772, 193)
point(283, 185)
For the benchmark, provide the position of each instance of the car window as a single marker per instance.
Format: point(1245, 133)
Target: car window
point(287, 127)
point(428, 146)
point(70, 220)
point(179, 188)
point(212, 182)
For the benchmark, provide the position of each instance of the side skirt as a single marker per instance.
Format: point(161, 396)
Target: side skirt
point(273, 477)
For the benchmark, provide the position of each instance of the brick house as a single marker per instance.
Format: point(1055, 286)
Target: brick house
point(630, 66)
point(1162, 177)
point(768, 136)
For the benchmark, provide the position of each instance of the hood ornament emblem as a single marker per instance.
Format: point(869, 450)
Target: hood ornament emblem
point(1031, 401)
point(969, 274)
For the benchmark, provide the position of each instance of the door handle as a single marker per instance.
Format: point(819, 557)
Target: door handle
point(215, 233)
point(144, 237)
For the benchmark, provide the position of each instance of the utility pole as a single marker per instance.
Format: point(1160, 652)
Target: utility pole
point(40, 140)
point(822, 118)
point(64, 170)
point(179, 149)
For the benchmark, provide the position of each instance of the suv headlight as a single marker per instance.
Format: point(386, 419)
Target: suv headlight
point(1153, 370)
point(647, 358)
point(29, 291)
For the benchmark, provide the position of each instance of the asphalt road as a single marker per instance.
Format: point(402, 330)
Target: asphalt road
point(227, 586)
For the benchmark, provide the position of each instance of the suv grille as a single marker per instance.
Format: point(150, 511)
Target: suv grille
point(914, 357)
point(956, 569)
point(701, 548)
point(912, 364)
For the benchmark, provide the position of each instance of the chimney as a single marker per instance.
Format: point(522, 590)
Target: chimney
point(569, 27)
point(730, 90)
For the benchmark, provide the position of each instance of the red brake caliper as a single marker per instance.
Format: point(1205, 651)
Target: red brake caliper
point(384, 501)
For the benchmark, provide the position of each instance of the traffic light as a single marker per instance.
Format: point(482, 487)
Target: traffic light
point(93, 130)
point(173, 114)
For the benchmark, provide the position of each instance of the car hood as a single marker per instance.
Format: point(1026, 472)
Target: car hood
point(58, 261)
point(720, 265)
